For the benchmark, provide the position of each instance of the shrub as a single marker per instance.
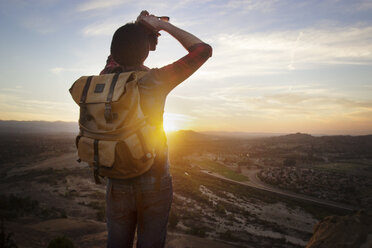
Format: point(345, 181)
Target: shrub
point(61, 242)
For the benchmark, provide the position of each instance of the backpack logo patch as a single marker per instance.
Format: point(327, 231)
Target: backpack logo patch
point(99, 88)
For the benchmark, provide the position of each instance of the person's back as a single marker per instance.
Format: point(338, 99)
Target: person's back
point(143, 202)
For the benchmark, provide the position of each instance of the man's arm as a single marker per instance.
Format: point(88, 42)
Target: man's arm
point(185, 38)
point(175, 73)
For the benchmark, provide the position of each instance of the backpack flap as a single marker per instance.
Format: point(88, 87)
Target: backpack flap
point(105, 153)
point(99, 87)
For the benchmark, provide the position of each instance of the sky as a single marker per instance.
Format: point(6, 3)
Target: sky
point(278, 66)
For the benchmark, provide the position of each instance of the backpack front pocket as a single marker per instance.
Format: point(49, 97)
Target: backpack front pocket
point(97, 151)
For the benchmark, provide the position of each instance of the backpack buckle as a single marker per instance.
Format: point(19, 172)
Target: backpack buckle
point(108, 112)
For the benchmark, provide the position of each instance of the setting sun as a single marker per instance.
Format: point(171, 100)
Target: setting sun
point(173, 122)
point(170, 126)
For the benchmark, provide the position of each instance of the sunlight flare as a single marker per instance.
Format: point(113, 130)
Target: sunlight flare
point(175, 122)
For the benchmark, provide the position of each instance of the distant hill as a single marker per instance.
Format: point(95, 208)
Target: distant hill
point(241, 135)
point(340, 146)
point(38, 127)
point(295, 137)
point(328, 139)
point(188, 135)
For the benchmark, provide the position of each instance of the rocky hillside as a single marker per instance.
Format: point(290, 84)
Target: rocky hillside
point(350, 231)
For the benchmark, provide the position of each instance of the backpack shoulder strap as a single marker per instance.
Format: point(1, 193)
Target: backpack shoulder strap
point(108, 110)
point(83, 97)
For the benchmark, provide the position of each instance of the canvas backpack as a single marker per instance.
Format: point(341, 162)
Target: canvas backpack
point(115, 137)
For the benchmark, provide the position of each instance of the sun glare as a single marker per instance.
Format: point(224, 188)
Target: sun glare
point(170, 125)
point(173, 122)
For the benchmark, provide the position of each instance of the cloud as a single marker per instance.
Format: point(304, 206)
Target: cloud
point(16, 105)
point(362, 115)
point(285, 112)
point(364, 5)
point(17, 90)
point(282, 51)
point(292, 60)
point(57, 70)
point(253, 104)
point(178, 117)
point(298, 105)
point(99, 4)
point(246, 6)
point(81, 69)
point(105, 28)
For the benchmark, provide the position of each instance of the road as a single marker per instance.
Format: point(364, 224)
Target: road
point(255, 182)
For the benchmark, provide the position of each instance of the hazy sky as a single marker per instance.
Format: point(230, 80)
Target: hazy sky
point(277, 65)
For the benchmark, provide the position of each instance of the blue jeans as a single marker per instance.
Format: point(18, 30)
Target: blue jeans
point(145, 206)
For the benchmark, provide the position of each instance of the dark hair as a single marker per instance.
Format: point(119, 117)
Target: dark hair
point(130, 45)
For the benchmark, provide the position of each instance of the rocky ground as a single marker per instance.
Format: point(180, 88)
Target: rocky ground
point(57, 196)
point(49, 194)
point(354, 230)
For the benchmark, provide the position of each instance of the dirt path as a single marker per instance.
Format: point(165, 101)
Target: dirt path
point(67, 160)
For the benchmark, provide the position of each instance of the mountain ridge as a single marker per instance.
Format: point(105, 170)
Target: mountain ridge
point(12, 126)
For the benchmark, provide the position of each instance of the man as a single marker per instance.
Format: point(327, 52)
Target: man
point(144, 202)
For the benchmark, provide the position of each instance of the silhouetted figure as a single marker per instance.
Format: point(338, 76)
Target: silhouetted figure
point(143, 202)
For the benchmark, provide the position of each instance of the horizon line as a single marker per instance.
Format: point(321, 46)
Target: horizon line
point(319, 133)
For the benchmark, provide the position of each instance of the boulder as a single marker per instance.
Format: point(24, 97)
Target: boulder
point(350, 231)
